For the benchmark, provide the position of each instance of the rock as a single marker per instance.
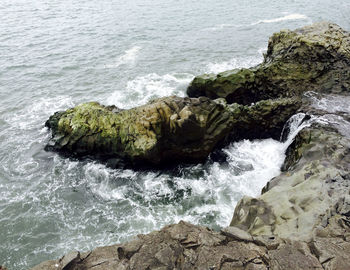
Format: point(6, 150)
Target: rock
point(293, 255)
point(263, 119)
point(67, 260)
point(312, 58)
point(166, 130)
point(302, 218)
point(331, 244)
point(307, 194)
point(237, 234)
point(186, 246)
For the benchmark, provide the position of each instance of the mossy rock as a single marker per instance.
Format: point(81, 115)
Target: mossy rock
point(312, 58)
point(164, 131)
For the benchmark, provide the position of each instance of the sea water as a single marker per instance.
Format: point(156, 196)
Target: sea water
point(56, 54)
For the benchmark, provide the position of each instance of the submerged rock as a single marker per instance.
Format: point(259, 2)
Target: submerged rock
point(312, 58)
point(166, 130)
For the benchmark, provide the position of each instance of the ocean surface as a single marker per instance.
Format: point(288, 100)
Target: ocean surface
point(55, 54)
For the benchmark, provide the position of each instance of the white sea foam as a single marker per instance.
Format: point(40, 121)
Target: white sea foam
point(160, 198)
point(289, 17)
point(329, 103)
point(144, 88)
point(237, 62)
point(128, 58)
point(220, 27)
point(36, 113)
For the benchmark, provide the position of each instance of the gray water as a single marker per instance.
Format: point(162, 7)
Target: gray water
point(56, 54)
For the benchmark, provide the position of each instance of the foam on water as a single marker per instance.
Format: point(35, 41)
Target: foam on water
point(286, 17)
point(144, 88)
point(329, 103)
point(237, 62)
point(289, 17)
point(337, 108)
point(128, 58)
point(56, 54)
point(220, 27)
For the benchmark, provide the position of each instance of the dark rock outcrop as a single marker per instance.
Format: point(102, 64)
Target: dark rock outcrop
point(313, 188)
point(263, 119)
point(312, 58)
point(167, 128)
point(302, 218)
point(170, 129)
point(188, 247)
point(301, 221)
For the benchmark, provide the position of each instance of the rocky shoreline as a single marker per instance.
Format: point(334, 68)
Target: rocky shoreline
point(302, 218)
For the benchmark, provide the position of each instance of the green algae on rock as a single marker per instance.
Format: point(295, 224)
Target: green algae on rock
point(312, 58)
point(302, 218)
point(170, 129)
point(301, 221)
point(263, 119)
point(167, 128)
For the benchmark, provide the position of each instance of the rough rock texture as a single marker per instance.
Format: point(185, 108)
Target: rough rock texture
point(314, 187)
point(189, 247)
point(264, 119)
point(167, 129)
point(310, 200)
point(302, 219)
point(312, 58)
point(172, 127)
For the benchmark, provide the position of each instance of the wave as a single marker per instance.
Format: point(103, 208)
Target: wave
point(34, 115)
point(236, 62)
point(220, 27)
point(289, 17)
point(144, 88)
point(128, 58)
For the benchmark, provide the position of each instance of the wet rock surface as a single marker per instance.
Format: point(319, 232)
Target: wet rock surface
point(302, 218)
point(312, 58)
point(166, 130)
point(301, 221)
point(315, 182)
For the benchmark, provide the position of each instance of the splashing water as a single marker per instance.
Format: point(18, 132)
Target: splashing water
point(144, 88)
point(59, 53)
point(129, 57)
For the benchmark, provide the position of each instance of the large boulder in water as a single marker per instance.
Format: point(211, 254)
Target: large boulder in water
point(312, 58)
point(165, 130)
